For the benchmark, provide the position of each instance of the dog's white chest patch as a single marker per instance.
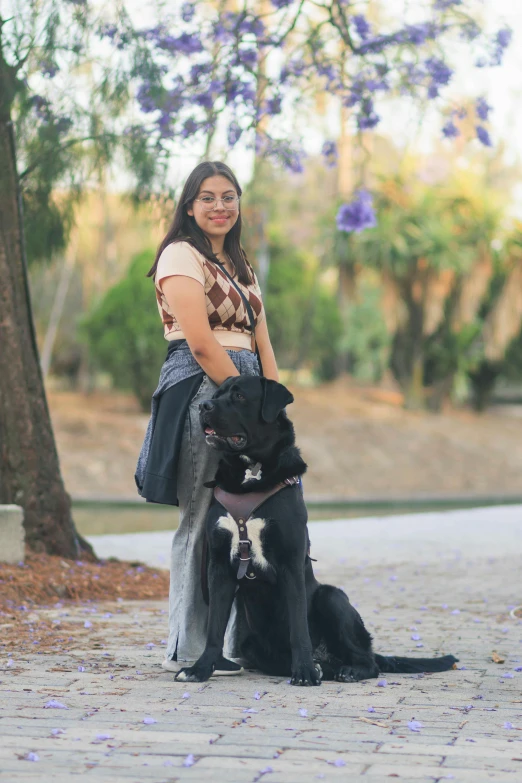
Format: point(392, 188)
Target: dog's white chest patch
point(255, 528)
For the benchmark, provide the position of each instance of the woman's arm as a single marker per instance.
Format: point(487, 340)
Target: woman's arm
point(186, 299)
point(266, 351)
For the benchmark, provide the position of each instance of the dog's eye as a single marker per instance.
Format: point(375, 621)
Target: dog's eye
point(240, 396)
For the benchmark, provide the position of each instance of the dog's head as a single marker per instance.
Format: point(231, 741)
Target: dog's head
point(242, 411)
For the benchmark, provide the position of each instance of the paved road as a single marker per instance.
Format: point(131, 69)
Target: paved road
point(425, 584)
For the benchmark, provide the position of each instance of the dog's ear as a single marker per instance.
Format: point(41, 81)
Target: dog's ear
point(275, 398)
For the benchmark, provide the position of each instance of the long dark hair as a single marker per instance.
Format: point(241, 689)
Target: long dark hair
point(185, 229)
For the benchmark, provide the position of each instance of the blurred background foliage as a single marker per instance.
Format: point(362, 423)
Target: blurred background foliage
point(428, 302)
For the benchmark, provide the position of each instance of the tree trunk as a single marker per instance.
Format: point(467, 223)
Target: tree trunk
point(29, 467)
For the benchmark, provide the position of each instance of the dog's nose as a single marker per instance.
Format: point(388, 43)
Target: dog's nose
point(206, 405)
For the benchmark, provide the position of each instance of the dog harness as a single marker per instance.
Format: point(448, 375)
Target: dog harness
point(241, 508)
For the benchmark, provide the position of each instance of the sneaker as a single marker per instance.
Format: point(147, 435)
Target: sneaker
point(224, 667)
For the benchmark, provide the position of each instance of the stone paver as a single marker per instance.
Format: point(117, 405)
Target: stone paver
point(425, 584)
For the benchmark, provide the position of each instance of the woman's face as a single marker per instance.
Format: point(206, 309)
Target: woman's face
point(215, 209)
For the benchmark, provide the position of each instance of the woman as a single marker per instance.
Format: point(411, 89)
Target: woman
point(202, 279)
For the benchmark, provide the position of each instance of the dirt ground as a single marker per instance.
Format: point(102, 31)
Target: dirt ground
point(358, 443)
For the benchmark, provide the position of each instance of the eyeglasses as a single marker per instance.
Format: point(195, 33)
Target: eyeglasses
point(209, 203)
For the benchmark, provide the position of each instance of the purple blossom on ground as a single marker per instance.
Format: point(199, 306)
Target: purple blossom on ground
point(455, 611)
point(485, 139)
point(103, 737)
point(415, 637)
point(337, 763)
point(150, 645)
point(81, 668)
point(257, 695)
point(507, 676)
point(415, 725)
point(303, 713)
point(482, 108)
point(189, 761)
point(149, 721)
point(56, 732)
point(53, 704)
point(450, 130)
point(382, 683)
point(357, 215)
point(371, 709)
point(249, 709)
point(32, 756)
point(508, 725)
point(87, 624)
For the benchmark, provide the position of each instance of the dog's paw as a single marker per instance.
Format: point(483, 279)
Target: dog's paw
point(354, 674)
point(306, 674)
point(193, 674)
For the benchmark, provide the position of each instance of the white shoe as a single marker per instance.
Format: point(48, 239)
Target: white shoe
point(225, 668)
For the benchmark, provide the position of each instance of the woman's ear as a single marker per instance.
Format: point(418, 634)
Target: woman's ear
point(275, 398)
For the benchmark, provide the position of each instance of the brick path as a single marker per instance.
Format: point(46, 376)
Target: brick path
point(444, 581)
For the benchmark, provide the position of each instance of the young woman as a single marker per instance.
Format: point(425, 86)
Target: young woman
point(202, 278)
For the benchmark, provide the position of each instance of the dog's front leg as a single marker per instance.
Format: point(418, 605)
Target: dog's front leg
point(304, 671)
point(222, 588)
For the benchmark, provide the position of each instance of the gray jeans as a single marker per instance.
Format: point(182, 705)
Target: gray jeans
point(188, 612)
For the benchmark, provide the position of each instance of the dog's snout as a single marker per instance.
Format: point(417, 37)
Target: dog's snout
point(206, 405)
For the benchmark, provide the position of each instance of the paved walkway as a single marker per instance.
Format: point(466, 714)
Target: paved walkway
point(424, 584)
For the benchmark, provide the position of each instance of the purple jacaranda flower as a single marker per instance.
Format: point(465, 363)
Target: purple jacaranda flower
point(257, 695)
point(273, 105)
point(371, 709)
point(337, 763)
point(455, 611)
point(53, 704)
point(187, 12)
point(382, 683)
point(419, 644)
point(482, 108)
point(31, 756)
point(518, 668)
point(189, 761)
point(281, 3)
point(149, 721)
point(415, 637)
point(246, 57)
point(450, 131)
point(503, 37)
point(414, 725)
point(250, 709)
point(87, 624)
point(442, 5)
point(56, 732)
point(508, 725)
point(103, 737)
point(81, 668)
point(303, 713)
point(329, 153)
point(483, 136)
point(357, 215)
point(507, 676)
point(234, 133)
point(150, 645)
point(362, 26)
point(48, 68)
point(368, 118)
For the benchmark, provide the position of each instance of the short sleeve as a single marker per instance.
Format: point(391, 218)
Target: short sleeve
point(180, 258)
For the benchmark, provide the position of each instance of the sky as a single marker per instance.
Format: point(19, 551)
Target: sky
point(502, 87)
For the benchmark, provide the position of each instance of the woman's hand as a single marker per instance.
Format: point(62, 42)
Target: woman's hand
point(186, 299)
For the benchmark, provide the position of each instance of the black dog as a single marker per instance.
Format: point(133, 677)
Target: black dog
point(297, 627)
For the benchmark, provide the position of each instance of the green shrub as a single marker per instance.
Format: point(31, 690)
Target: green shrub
point(124, 332)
